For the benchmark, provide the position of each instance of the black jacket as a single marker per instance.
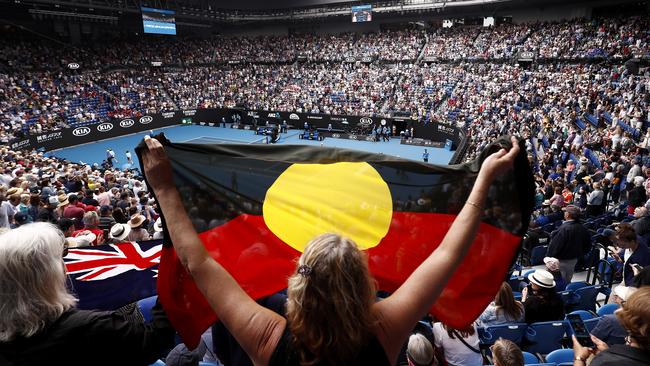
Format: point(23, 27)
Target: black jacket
point(620, 355)
point(82, 337)
point(571, 241)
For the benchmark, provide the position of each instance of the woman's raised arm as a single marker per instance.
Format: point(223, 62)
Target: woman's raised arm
point(256, 328)
point(398, 313)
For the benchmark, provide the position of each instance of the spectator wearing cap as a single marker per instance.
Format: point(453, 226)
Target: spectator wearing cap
point(541, 300)
point(571, 241)
point(48, 213)
point(553, 267)
point(138, 233)
point(72, 211)
point(91, 223)
point(106, 220)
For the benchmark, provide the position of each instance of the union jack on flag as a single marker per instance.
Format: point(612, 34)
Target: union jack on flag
point(107, 277)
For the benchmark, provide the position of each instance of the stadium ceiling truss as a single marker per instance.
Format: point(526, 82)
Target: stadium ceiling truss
point(206, 10)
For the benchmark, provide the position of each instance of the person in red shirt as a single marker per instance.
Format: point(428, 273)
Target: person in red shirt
point(72, 211)
point(91, 223)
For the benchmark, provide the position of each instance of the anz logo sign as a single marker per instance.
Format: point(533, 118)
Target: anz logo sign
point(81, 131)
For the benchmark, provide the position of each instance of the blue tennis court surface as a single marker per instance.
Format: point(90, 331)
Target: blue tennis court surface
point(96, 152)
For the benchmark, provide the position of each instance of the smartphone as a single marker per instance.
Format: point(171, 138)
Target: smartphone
point(580, 331)
point(637, 266)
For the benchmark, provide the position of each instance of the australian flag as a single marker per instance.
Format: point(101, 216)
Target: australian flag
point(107, 277)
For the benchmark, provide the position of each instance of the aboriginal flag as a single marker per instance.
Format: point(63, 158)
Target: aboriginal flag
point(256, 206)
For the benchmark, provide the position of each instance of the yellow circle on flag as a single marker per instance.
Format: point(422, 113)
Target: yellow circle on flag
point(349, 199)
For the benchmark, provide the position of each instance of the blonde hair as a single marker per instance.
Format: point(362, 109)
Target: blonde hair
point(328, 306)
point(419, 350)
point(32, 280)
point(635, 316)
point(506, 353)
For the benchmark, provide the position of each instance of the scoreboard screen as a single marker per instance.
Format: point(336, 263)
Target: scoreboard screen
point(361, 13)
point(158, 21)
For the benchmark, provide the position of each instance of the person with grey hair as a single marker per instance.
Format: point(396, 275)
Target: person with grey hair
point(91, 224)
point(419, 351)
point(39, 322)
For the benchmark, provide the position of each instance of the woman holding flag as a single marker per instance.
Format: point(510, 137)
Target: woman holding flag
point(332, 317)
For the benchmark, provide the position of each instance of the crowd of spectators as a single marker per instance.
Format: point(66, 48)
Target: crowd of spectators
point(584, 125)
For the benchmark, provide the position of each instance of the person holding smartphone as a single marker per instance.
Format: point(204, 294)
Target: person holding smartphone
point(632, 252)
point(634, 315)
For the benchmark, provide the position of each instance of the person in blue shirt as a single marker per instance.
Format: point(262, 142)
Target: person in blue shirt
point(505, 309)
point(425, 156)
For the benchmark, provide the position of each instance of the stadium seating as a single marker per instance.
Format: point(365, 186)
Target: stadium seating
point(544, 337)
point(145, 306)
point(560, 356)
point(607, 309)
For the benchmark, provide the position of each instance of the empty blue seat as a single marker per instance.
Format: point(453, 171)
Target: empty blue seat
point(530, 358)
point(544, 337)
point(560, 356)
point(576, 285)
point(588, 295)
point(513, 332)
point(537, 255)
point(607, 309)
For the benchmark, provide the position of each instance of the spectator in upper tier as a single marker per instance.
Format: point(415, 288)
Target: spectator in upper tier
point(39, 322)
point(634, 315)
point(504, 309)
point(571, 241)
point(541, 301)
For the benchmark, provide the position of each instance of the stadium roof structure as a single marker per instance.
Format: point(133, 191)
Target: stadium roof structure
point(214, 11)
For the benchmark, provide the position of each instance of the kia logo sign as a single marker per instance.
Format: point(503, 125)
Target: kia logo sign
point(365, 121)
point(105, 127)
point(73, 66)
point(146, 120)
point(126, 123)
point(293, 116)
point(81, 131)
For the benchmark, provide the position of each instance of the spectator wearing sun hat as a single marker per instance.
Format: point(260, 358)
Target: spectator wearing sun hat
point(158, 229)
point(118, 233)
point(138, 233)
point(541, 300)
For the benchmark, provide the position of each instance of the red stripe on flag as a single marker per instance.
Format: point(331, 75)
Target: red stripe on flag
point(261, 264)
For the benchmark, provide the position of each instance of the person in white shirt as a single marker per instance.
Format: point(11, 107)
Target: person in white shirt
point(459, 347)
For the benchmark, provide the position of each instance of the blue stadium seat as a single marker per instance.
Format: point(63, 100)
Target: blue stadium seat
point(560, 356)
point(158, 363)
point(530, 358)
point(537, 255)
point(590, 324)
point(607, 309)
point(544, 337)
point(513, 332)
point(588, 295)
point(145, 306)
point(576, 285)
point(584, 315)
